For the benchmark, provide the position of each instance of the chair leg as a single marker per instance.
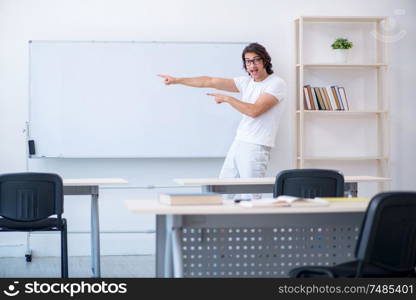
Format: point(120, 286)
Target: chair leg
point(359, 271)
point(64, 251)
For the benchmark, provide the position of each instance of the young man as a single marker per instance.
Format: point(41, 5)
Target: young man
point(262, 93)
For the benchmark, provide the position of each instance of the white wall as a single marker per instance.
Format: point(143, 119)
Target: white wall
point(269, 22)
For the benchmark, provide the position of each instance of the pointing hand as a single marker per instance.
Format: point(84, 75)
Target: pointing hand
point(167, 79)
point(219, 98)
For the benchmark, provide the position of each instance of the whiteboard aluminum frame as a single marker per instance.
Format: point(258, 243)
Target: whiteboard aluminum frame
point(28, 123)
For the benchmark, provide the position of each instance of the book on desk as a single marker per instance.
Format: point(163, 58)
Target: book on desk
point(211, 198)
point(284, 201)
point(345, 199)
point(190, 198)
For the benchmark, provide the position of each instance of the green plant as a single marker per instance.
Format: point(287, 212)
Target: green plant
point(341, 43)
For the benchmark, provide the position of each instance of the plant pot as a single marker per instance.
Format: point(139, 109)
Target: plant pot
point(341, 56)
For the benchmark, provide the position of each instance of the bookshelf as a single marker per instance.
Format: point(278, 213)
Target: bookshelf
point(354, 141)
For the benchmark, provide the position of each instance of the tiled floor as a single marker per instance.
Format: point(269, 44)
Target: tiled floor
point(79, 266)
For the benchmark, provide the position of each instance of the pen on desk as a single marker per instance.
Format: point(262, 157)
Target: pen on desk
point(241, 200)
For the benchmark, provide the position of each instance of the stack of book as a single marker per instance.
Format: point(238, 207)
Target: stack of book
point(325, 98)
point(190, 198)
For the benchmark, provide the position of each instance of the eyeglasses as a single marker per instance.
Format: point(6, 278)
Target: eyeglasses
point(254, 61)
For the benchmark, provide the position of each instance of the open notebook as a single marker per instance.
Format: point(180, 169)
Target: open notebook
point(284, 201)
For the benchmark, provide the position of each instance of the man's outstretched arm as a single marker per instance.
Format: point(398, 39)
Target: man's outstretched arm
point(263, 104)
point(223, 84)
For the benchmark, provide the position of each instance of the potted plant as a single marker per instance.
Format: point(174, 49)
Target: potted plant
point(341, 46)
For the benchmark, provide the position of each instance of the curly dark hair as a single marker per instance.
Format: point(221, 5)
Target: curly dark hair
point(260, 51)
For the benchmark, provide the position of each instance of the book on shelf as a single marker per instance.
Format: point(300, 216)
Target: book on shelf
point(326, 106)
point(310, 101)
point(190, 198)
point(312, 104)
point(307, 103)
point(331, 97)
point(315, 99)
point(344, 97)
point(285, 201)
point(327, 100)
point(337, 99)
point(320, 99)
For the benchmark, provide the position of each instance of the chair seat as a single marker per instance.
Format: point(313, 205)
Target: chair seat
point(347, 269)
point(50, 223)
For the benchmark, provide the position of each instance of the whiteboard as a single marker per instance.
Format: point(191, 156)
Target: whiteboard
point(103, 99)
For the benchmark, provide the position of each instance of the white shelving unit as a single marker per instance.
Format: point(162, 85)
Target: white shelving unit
point(372, 107)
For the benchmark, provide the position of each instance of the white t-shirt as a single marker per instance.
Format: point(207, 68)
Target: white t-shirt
point(261, 130)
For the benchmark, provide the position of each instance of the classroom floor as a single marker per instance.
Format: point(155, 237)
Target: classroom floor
point(79, 266)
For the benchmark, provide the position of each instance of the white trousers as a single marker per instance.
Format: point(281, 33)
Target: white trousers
point(245, 160)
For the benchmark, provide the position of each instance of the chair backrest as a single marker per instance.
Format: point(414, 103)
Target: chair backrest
point(30, 196)
point(388, 234)
point(309, 183)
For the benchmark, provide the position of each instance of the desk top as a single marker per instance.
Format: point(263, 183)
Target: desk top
point(229, 207)
point(264, 180)
point(93, 181)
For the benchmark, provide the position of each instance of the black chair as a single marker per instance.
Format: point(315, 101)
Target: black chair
point(387, 242)
point(309, 183)
point(27, 202)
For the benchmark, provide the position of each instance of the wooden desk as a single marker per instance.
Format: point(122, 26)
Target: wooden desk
point(90, 186)
point(263, 185)
point(218, 240)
